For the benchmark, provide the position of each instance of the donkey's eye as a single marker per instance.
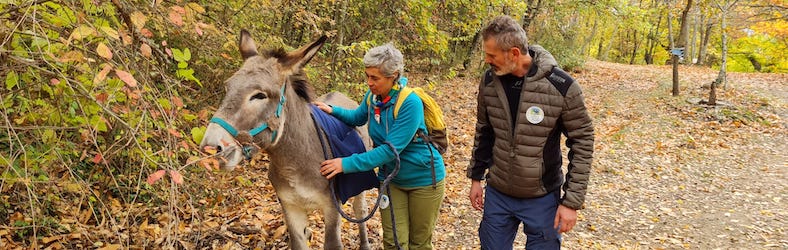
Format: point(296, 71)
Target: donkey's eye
point(258, 96)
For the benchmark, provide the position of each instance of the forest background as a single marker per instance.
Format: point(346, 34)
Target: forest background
point(100, 99)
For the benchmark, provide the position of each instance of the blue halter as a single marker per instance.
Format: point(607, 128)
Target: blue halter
point(247, 149)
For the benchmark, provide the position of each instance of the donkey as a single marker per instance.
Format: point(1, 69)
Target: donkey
point(266, 108)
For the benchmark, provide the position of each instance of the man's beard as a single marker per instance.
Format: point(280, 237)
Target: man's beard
point(506, 69)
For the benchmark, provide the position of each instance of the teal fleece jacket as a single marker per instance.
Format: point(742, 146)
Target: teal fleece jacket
point(415, 168)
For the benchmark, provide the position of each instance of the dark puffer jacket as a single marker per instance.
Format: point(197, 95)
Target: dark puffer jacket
point(525, 162)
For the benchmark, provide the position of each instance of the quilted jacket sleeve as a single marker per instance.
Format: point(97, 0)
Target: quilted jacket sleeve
point(580, 141)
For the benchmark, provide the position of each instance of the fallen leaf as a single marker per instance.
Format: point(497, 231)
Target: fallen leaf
point(50, 239)
point(74, 236)
point(146, 33)
point(177, 101)
point(210, 164)
point(138, 19)
point(280, 232)
point(102, 74)
point(102, 97)
point(126, 77)
point(81, 32)
point(72, 56)
point(97, 159)
point(198, 30)
point(146, 50)
point(211, 150)
point(104, 51)
point(175, 17)
point(196, 7)
point(155, 176)
point(112, 33)
point(176, 177)
point(174, 132)
point(110, 247)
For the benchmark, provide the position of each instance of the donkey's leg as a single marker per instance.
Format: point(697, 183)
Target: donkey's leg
point(296, 220)
point(333, 230)
point(360, 209)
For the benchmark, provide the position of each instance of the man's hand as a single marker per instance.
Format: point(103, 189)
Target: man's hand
point(477, 195)
point(566, 218)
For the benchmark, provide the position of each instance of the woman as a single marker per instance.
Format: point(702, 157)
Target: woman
point(414, 194)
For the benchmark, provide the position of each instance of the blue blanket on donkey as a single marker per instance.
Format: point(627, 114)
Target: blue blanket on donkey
point(344, 141)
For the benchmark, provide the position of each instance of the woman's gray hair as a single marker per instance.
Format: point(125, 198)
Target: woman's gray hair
point(386, 58)
point(506, 32)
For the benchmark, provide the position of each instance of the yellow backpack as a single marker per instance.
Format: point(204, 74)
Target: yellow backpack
point(433, 118)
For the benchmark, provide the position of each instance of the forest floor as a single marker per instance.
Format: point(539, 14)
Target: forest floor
point(667, 174)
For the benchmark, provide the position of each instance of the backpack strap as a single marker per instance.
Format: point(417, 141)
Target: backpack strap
point(403, 94)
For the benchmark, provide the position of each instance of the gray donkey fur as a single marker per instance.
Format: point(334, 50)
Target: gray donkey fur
point(253, 94)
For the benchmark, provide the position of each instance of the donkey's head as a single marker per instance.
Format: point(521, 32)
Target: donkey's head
point(252, 114)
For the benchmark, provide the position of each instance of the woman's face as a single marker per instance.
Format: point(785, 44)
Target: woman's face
point(378, 83)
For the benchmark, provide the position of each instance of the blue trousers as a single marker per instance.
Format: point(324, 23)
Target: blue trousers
point(503, 214)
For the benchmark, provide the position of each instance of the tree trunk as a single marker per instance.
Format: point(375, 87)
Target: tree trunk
point(531, 12)
point(755, 64)
point(684, 31)
point(589, 39)
point(705, 33)
point(652, 42)
point(674, 59)
point(609, 45)
point(713, 93)
point(691, 44)
point(682, 42)
point(634, 47)
point(339, 16)
point(600, 55)
point(472, 49)
point(723, 75)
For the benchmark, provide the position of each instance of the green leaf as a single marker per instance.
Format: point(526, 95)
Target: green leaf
point(189, 117)
point(188, 74)
point(197, 134)
point(81, 32)
point(182, 65)
point(187, 54)
point(8, 101)
point(98, 123)
point(48, 136)
point(4, 162)
point(178, 55)
point(11, 80)
point(164, 103)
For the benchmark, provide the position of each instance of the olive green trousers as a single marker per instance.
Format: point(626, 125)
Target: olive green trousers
point(415, 211)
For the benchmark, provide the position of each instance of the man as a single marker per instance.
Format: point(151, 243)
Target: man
point(525, 103)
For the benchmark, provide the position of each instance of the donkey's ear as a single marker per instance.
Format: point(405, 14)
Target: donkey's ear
point(300, 57)
point(247, 45)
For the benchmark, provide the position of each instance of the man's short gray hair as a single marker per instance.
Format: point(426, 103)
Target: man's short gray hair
point(386, 58)
point(506, 32)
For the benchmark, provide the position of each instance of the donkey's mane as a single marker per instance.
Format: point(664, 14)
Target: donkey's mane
point(297, 79)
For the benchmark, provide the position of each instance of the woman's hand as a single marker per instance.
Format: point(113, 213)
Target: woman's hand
point(322, 106)
point(330, 168)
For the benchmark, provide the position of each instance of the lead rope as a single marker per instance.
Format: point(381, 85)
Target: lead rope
point(332, 183)
point(385, 184)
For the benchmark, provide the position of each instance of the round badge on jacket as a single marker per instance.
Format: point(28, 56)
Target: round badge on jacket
point(535, 114)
